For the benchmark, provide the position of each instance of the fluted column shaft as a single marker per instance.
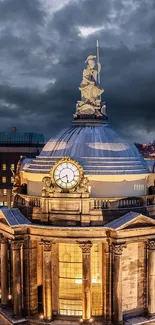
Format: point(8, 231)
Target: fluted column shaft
point(117, 283)
point(86, 279)
point(4, 271)
point(17, 245)
point(47, 280)
point(151, 277)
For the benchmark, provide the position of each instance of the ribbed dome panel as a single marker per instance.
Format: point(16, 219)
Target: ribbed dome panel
point(99, 149)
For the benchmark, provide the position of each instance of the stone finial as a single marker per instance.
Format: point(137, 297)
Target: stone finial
point(118, 248)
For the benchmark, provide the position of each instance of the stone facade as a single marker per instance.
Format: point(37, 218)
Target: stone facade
point(126, 261)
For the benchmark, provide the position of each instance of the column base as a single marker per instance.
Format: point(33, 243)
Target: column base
point(5, 305)
point(118, 323)
point(47, 320)
point(151, 315)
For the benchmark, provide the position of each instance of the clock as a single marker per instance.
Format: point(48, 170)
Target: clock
point(67, 173)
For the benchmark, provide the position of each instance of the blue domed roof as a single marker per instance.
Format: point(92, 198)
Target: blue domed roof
point(99, 149)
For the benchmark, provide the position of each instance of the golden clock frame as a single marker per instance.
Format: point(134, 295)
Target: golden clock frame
point(59, 162)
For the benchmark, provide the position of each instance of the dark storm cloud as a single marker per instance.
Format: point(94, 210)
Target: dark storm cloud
point(43, 46)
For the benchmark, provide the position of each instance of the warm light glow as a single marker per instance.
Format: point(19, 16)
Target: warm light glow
point(91, 320)
point(9, 297)
point(81, 320)
point(78, 281)
point(41, 316)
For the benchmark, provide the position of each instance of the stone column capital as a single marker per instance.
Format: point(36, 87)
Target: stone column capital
point(3, 240)
point(85, 246)
point(47, 245)
point(151, 244)
point(117, 248)
point(17, 244)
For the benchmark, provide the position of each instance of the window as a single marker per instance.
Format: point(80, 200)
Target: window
point(3, 179)
point(4, 166)
point(5, 204)
point(4, 191)
point(1, 204)
point(12, 179)
point(96, 273)
point(12, 167)
point(138, 187)
point(70, 279)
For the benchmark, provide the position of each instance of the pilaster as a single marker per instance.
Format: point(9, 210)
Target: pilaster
point(17, 245)
point(4, 271)
point(47, 280)
point(117, 282)
point(151, 277)
point(86, 279)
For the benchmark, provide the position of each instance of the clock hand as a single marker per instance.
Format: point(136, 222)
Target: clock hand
point(60, 178)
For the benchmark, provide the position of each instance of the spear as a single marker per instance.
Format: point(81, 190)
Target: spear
point(97, 45)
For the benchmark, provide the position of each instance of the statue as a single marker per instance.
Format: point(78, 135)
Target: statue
point(49, 188)
point(90, 103)
point(17, 187)
point(84, 186)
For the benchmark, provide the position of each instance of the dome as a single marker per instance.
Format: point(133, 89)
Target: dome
point(99, 149)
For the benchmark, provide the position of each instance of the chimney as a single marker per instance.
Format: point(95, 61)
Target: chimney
point(14, 129)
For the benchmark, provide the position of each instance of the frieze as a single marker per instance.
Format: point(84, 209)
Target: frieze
point(118, 248)
point(151, 244)
point(85, 246)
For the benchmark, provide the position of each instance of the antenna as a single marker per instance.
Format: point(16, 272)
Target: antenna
point(97, 45)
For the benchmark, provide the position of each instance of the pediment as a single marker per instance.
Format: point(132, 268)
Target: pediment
point(131, 220)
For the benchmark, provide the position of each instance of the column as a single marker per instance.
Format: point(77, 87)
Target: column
point(47, 280)
point(117, 283)
point(4, 271)
point(86, 279)
point(151, 277)
point(17, 277)
point(30, 292)
point(107, 279)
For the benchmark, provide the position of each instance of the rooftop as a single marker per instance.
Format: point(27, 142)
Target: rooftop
point(15, 138)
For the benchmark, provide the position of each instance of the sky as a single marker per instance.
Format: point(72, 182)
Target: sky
point(43, 47)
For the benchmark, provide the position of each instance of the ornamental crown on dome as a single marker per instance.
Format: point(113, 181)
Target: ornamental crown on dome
point(90, 103)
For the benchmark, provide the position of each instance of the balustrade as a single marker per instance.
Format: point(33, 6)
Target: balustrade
point(95, 203)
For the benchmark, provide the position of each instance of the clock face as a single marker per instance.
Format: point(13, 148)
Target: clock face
point(66, 175)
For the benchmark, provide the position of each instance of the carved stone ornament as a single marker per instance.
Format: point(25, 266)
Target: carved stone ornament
point(3, 240)
point(47, 245)
point(17, 244)
point(151, 244)
point(49, 187)
point(80, 182)
point(86, 247)
point(17, 187)
point(84, 186)
point(118, 248)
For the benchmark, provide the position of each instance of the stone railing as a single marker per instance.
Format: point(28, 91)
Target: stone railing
point(27, 201)
point(95, 203)
point(122, 202)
